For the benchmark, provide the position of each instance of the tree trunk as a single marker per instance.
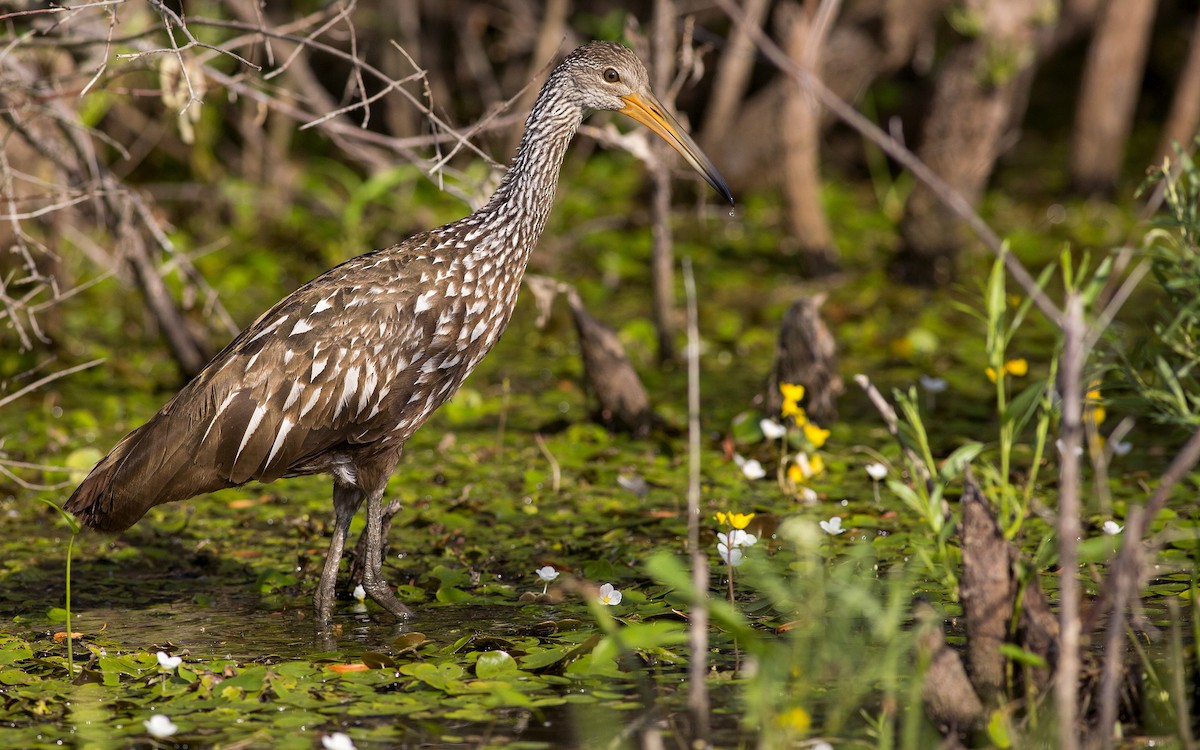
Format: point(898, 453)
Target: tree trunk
point(872, 38)
point(1184, 119)
point(550, 37)
point(801, 120)
point(732, 77)
point(1112, 78)
point(979, 82)
point(662, 261)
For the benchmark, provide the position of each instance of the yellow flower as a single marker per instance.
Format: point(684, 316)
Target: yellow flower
point(792, 409)
point(792, 392)
point(795, 720)
point(815, 435)
point(740, 520)
point(1095, 411)
point(806, 467)
point(1015, 367)
point(736, 520)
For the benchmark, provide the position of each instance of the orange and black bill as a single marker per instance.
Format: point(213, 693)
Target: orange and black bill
point(647, 110)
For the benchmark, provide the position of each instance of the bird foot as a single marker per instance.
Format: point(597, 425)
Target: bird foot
point(381, 594)
point(323, 607)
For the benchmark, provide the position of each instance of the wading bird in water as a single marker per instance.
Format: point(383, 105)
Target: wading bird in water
point(338, 375)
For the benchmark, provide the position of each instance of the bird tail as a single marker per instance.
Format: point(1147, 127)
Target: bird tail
point(152, 465)
point(101, 501)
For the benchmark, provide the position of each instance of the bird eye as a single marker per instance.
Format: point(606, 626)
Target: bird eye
point(611, 75)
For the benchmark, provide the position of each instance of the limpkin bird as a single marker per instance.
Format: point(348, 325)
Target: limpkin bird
point(338, 375)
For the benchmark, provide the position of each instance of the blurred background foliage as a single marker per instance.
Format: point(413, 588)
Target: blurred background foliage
point(158, 201)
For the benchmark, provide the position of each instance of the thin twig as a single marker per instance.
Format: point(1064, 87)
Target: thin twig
point(168, 15)
point(47, 379)
point(892, 422)
point(343, 55)
point(328, 24)
point(555, 470)
point(1125, 573)
point(112, 25)
point(698, 703)
point(5, 463)
point(59, 9)
point(47, 209)
point(1066, 678)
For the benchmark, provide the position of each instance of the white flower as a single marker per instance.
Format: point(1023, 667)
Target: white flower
point(753, 469)
point(1061, 446)
point(1112, 528)
point(337, 741)
point(547, 573)
point(832, 526)
point(808, 495)
point(1121, 447)
point(876, 471)
point(168, 662)
point(822, 746)
point(771, 429)
point(732, 557)
point(609, 595)
point(932, 384)
point(736, 538)
point(160, 727)
point(360, 594)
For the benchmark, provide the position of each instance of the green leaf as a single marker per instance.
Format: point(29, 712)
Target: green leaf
point(13, 676)
point(1098, 549)
point(994, 304)
point(544, 658)
point(997, 729)
point(409, 640)
point(1015, 653)
point(745, 428)
point(67, 517)
point(956, 463)
point(493, 665)
point(652, 635)
point(249, 679)
point(498, 694)
point(908, 495)
point(14, 650)
point(376, 660)
point(446, 676)
point(1026, 303)
point(1023, 406)
point(452, 595)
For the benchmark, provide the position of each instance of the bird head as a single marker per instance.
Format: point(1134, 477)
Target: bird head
point(610, 77)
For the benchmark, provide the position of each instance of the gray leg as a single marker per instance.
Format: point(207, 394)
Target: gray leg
point(346, 500)
point(373, 582)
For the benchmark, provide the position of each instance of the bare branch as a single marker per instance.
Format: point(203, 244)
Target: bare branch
point(47, 379)
point(171, 17)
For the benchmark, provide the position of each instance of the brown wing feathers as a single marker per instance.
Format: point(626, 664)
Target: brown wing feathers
point(281, 394)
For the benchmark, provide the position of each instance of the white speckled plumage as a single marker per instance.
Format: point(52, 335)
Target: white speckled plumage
point(337, 376)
